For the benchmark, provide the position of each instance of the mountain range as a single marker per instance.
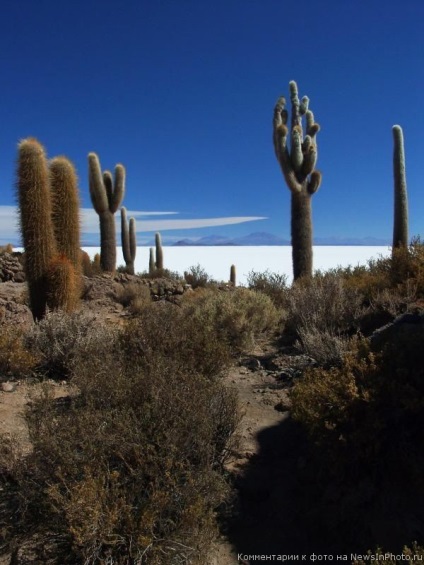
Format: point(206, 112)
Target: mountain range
point(264, 238)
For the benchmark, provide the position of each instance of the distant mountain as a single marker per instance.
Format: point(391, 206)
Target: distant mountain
point(264, 238)
point(257, 238)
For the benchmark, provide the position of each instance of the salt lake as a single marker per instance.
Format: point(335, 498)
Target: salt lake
point(216, 261)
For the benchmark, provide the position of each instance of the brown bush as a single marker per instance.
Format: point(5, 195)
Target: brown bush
point(129, 469)
point(16, 361)
point(273, 285)
point(134, 296)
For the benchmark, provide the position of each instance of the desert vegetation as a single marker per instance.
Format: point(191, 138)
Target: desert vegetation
point(131, 465)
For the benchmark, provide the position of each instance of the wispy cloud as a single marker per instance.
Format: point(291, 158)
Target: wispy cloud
point(9, 231)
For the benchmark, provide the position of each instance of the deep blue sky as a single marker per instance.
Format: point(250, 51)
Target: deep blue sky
point(182, 93)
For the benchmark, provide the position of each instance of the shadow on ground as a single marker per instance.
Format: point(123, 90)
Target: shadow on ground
point(285, 507)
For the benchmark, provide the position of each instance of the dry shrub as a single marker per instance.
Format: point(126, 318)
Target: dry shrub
point(6, 249)
point(197, 277)
point(239, 317)
point(323, 304)
point(165, 330)
point(134, 296)
point(130, 469)
point(324, 347)
point(16, 361)
point(273, 285)
point(60, 338)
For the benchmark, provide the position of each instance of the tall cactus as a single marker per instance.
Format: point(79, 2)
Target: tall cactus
point(106, 195)
point(159, 252)
point(35, 206)
point(400, 226)
point(65, 209)
point(48, 203)
point(128, 239)
point(297, 163)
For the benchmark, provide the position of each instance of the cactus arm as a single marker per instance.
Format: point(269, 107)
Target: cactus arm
point(108, 184)
point(125, 236)
point(314, 182)
point(97, 188)
point(118, 189)
point(296, 118)
point(296, 155)
point(152, 265)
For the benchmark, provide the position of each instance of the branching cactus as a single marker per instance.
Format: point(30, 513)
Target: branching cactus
point(400, 226)
point(35, 207)
point(129, 242)
point(297, 161)
point(106, 195)
point(159, 252)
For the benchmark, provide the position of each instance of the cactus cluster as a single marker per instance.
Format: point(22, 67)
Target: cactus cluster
point(297, 162)
point(48, 206)
point(129, 241)
point(106, 195)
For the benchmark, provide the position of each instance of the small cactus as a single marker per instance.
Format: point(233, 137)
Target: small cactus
point(159, 252)
point(106, 195)
point(233, 275)
point(129, 241)
point(152, 264)
point(400, 225)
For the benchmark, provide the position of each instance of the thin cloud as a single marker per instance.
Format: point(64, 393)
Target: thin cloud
point(9, 222)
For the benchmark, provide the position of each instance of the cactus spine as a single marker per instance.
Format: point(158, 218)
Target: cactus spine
point(400, 226)
point(152, 264)
point(129, 242)
point(35, 207)
point(106, 195)
point(297, 164)
point(48, 203)
point(233, 275)
point(159, 252)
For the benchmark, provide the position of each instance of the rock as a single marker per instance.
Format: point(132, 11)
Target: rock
point(405, 327)
point(8, 387)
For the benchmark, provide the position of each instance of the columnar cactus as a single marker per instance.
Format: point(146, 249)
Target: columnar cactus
point(400, 226)
point(297, 163)
point(65, 209)
point(159, 252)
point(152, 264)
point(48, 203)
point(106, 195)
point(35, 209)
point(233, 275)
point(128, 239)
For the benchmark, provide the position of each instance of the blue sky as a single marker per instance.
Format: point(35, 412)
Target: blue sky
point(182, 93)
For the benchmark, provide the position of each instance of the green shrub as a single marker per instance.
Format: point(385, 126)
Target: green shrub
point(239, 317)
